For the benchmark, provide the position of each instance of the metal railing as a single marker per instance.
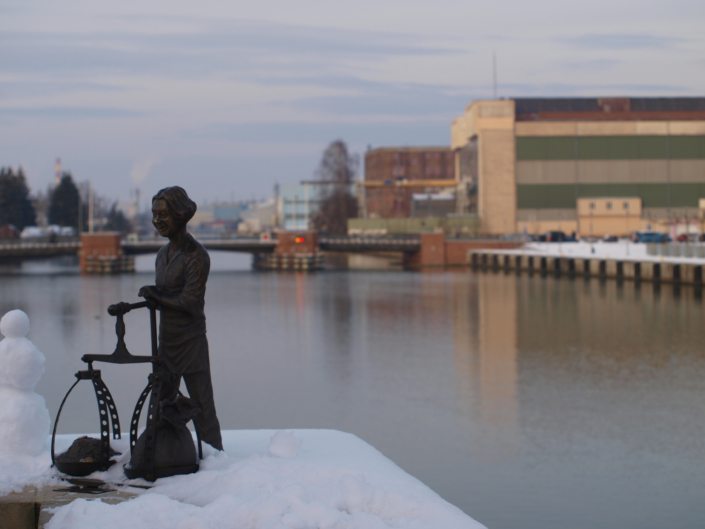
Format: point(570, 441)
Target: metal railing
point(692, 250)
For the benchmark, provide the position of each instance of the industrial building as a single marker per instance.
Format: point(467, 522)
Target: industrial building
point(590, 166)
point(298, 203)
point(403, 181)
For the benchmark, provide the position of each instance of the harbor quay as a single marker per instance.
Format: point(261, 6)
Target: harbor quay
point(667, 263)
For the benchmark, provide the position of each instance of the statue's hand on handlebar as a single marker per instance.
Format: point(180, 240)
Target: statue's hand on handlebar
point(149, 293)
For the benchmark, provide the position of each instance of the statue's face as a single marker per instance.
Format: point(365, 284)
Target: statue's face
point(163, 220)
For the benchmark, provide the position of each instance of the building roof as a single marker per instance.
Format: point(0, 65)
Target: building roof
point(408, 149)
point(610, 108)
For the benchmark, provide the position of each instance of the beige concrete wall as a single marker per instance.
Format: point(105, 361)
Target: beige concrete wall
point(608, 171)
point(497, 184)
point(609, 207)
point(546, 171)
point(652, 128)
point(545, 128)
point(558, 214)
point(534, 227)
point(686, 128)
point(687, 170)
point(620, 226)
point(622, 171)
point(609, 128)
point(459, 135)
point(673, 213)
point(493, 123)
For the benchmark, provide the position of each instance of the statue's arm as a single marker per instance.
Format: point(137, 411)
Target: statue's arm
point(190, 299)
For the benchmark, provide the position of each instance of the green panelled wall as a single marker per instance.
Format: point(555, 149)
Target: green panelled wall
point(549, 196)
point(610, 148)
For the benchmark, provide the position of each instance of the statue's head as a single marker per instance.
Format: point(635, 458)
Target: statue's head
point(171, 210)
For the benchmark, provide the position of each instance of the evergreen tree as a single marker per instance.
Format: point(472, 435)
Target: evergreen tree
point(117, 221)
point(15, 206)
point(63, 209)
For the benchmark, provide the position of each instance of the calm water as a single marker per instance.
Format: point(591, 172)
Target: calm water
point(527, 402)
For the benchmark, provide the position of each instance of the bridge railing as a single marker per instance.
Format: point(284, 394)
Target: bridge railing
point(405, 243)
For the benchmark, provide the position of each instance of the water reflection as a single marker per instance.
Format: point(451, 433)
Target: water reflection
point(528, 402)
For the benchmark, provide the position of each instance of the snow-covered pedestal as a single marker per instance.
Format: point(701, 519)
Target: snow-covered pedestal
point(268, 480)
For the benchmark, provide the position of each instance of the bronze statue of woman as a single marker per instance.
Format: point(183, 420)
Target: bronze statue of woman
point(182, 271)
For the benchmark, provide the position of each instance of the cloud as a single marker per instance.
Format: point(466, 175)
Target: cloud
point(597, 65)
point(40, 88)
point(70, 112)
point(621, 41)
point(411, 102)
point(514, 90)
point(236, 48)
point(420, 132)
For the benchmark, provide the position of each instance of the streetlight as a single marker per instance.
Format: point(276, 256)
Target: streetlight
point(592, 239)
point(626, 207)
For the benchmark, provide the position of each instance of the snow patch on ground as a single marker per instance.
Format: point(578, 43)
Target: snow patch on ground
point(325, 479)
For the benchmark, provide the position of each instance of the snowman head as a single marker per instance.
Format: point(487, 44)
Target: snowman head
point(14, 324)
point(21, 363)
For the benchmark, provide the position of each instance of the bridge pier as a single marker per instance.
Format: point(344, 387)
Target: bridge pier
point(101, 253)
point(295, 250)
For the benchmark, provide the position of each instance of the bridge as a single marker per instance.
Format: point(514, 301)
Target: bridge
point(286, 249)
point(43, 250)
point(230, 245)
point(20, 251)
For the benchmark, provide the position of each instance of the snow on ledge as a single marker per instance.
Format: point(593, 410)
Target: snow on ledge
point(266, 479)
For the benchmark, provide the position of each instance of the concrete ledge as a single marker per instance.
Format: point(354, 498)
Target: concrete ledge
point(19, 514)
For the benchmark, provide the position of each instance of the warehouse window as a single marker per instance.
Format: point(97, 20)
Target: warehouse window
point(625, 205)
point(592, 205)
point(609, 205)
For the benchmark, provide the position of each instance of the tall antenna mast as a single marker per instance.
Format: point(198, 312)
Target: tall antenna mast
point(494, 75)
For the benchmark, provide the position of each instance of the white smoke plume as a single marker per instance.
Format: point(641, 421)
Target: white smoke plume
point(141, 168)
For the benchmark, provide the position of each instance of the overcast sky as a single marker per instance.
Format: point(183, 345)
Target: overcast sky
point(227, 97)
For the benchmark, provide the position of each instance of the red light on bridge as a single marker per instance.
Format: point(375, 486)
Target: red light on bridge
point(299, 240)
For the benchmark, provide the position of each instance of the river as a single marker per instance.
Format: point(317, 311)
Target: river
point(528, 402)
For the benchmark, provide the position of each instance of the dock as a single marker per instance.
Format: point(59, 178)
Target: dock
point(666, 263)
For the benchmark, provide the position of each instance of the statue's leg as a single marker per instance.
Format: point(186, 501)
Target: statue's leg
point(200, 389)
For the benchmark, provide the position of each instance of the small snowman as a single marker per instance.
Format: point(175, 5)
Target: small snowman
point(24, 418)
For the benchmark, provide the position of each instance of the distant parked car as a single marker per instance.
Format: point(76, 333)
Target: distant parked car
point(67, 231)
point(687, 237)
point(555, 236)
point(653, 236)
point(610, 238)
point(32, 232)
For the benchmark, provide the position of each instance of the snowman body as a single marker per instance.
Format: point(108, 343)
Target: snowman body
point(24, 418)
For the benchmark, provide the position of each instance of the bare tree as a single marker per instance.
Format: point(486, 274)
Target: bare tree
point(336, 172)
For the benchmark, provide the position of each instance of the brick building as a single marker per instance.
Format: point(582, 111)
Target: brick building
point(394, 175)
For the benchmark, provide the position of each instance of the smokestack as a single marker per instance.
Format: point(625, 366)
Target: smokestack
point(57, 172)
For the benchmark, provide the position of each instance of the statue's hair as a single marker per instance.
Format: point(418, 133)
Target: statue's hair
point(178, 202)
